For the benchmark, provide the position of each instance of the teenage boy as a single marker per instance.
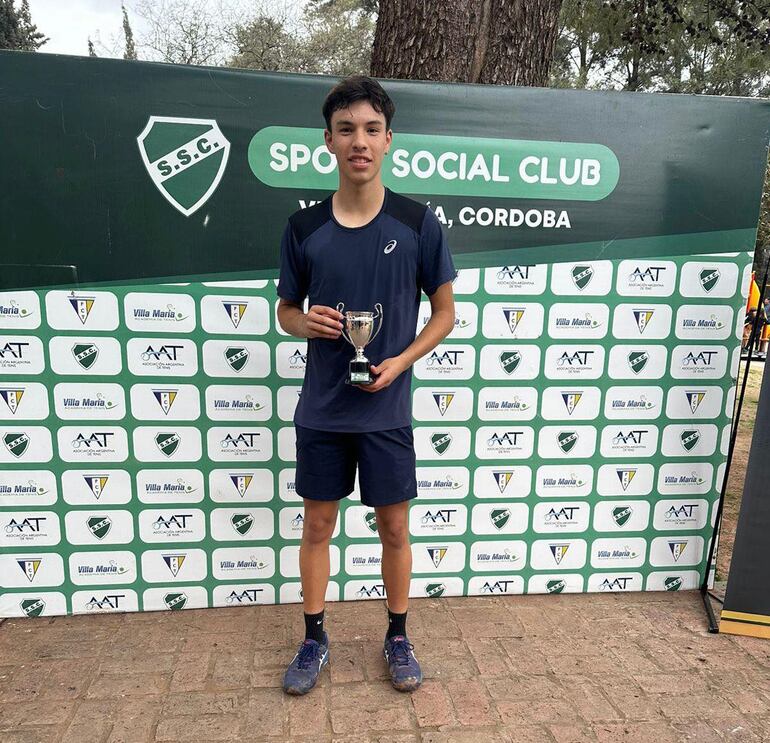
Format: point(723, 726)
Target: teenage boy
point(361, 246)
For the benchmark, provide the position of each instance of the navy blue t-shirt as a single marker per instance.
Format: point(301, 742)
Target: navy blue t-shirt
point(399, 254)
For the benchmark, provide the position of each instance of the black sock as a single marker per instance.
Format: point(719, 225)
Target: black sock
point(314, 627)
point(396, 624)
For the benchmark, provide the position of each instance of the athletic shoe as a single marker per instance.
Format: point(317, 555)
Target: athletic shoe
point(302, 673)
point(405, 671)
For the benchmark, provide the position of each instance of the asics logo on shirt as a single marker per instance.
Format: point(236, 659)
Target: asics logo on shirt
point(390, 247)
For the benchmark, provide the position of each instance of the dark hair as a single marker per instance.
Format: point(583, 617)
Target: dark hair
point(358, 88)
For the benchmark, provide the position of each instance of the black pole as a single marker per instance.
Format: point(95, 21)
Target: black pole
point(713, 625)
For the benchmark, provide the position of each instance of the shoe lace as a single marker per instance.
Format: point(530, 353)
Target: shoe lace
point(401, 650)
point(307, 655)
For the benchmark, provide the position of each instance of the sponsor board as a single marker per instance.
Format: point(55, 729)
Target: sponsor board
point(506, 320)
point(25, 444)
point(238, 403)
point(695, 361)
point(174, 598)
point(287, 444)
point(106, 526)
point(500, 555)
point(168, 443)
point(21, 354)
point(442, 403)
point(637, 362)
point(93, 443)
point(516, 280)
point(160, 486)
point(687, 478)
point(110, 601)
point(676, 550)
point(19, 310)
point(495, 585)
point(673, 580)
point(243, 563)
point(20, 401)
point(173, 565)
point(633, 403)
point(504, 442)
point(173, 524)
point(556, 517)
point(81, 310)
point(499, 518)
point(162, 357)
point(655, 278)
point(239, 444)
point(621, 516)
point(573, 320)
point(363, 559)
point(629, 440)
point(574, 442)
point(116, 567)
point(509, 361)
point(243, 594)
point(290, 359)
point(641, 321)
point(560, 481)
point(589, 279)
point(680, 514)
point(555, 583)
point(242, 359)
point(689, 440)
point(574, 362)
point(620, 552)
point(31, 569)
point(438, 557)
point(466, 281)
point(617, 582)
point(558, 554)
point(235, 315)
point(32, 604)
point(165, 402)
point(506, 481)
point(241, 485)
point(288, 397)
point(89, 401)
point(703, 322)
point(85, 356)
point(696, 402)
point(442, 483)
point(149, 312)
point(717, 279)
point(448, 442)
point(434, 588)
point(437, 519)
point(571, 403)
point(241, 524)
point(89, 487)
point(466, 320)
point(29, 529)
point(447, 362)
point(507, 403)
point(22, 488)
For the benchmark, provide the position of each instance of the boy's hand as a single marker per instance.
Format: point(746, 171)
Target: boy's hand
point(323, 322)
point(386, 373)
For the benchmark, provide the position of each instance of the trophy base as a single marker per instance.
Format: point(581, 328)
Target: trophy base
point(359, 373)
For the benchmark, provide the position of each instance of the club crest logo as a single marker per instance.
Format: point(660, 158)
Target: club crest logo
point(559, 551)
point(32, 607)
point(621, 514)
point(168, 443)
point(82, 306)
point(509, 361)
point(571, 399)
point(689, 439)
point(29, 566)
point(85, 354)
point(99, 526)
point(241, 483)
point(672, 582)
point(236, 357)
point(513, 317)
point(165, 399)
point(175, 601)
point(443, 401)
point(555, 586)
point(499, 517)
point(440, 442)
point(502, 478)
point(582, 276)
point(436, 554)
point(235, 311)
point(694, 399)
point(709, 278)
point(625, 476)
point(370, 519)
point(12, 398)
point(643, 318)
point(242, 522)
point(567, 440)
point(16, 443)
point(174, 563)
point(434, 590)
point(677, 549)
point(637, 360)
point(96, 484)
point(185, 158)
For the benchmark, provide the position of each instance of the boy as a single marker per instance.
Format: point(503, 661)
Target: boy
point(362, 246)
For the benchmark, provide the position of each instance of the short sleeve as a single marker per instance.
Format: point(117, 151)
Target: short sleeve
point(436, 266)
point(292, 282)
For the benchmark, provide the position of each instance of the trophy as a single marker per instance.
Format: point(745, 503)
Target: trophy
point(359, 326)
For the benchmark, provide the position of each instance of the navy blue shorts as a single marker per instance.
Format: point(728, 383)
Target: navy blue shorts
point(327, 461)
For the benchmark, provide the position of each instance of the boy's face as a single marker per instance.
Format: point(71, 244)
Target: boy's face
point(359, 138)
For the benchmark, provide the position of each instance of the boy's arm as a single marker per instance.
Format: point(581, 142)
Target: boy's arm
point(319, 322)
point(440, 325)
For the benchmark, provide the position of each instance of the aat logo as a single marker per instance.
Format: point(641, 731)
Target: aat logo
point(29, 566)
point(677, 549)
point(370, 520)
point(567, 440)
point(168, 443)
point(440, 442)
point(242, 522)
point(499, 517)
point(558, 551)
point(12, 397)
point(174, 562)
point(235, 311)
point(436, 554)
point(502, 478)
point(709, 278)
point(575, 359)
point(556, 585)
point(247, 596)
point(621, 514)
point(165, 399)
point(509, 361)
point(513, 273)
point(650, 274)
point(637, 360)
point(241, 483)
point(643, 318)
point(434, 590)
point(16, 443)
point(672, 582)
point(443, 401)
point(32, 607)
point(513, 317)
point(582, 276)
point(185, 158)
point(376, 590)
point(450, 358)
point(617, 584)
point(96, 484)
point(236, 357)
point(689, 439)
point(694, 399)
point(82, 306)
point(626, 476)
point(175, 601)
point(571, 400)
point(99, 526)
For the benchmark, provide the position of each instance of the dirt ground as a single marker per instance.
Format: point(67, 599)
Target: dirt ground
point(738, 467)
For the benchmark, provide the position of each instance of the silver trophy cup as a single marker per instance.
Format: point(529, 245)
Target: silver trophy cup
point(358, 331)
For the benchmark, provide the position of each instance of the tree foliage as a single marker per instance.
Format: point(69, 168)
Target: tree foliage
point(128, 35)
point(16, 28)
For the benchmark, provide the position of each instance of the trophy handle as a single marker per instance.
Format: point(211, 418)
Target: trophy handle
point(378, 309)
point(340, 308)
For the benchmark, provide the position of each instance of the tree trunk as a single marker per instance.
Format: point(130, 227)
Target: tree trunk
point(501, 42)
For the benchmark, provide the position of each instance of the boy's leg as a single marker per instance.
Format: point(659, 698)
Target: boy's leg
point(393, 528)
point(319, 521)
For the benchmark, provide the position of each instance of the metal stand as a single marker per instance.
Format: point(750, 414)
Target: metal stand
point(713, 624)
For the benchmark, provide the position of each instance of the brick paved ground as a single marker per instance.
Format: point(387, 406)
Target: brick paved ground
point(632, 667)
